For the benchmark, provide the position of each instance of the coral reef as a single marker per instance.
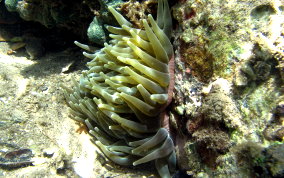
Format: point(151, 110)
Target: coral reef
point(219, 107)
point(214, 120)
point(274, 159)
point(74, 16)
point(96, 31)
point(136, 11)
point(228, 82)
point(7, 17)
point(259, 161)
point(212, 139)
point(212, 40)
point(126, 87)
point(11, 5)
point(49, 14)
point(275, 130)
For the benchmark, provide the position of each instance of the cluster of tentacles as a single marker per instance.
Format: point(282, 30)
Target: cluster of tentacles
point(124, 90)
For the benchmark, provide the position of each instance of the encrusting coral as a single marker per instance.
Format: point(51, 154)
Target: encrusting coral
point(126, 87)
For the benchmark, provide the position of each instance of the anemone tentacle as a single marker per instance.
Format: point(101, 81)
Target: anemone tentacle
point(124, 90)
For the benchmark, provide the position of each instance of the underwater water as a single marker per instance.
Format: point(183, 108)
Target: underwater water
point(207, 100)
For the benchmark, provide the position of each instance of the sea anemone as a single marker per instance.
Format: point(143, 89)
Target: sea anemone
point(126, 87)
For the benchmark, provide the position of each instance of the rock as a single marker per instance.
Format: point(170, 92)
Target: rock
point(96, 32)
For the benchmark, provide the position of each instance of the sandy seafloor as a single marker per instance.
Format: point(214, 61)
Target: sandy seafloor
point(35, 127)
